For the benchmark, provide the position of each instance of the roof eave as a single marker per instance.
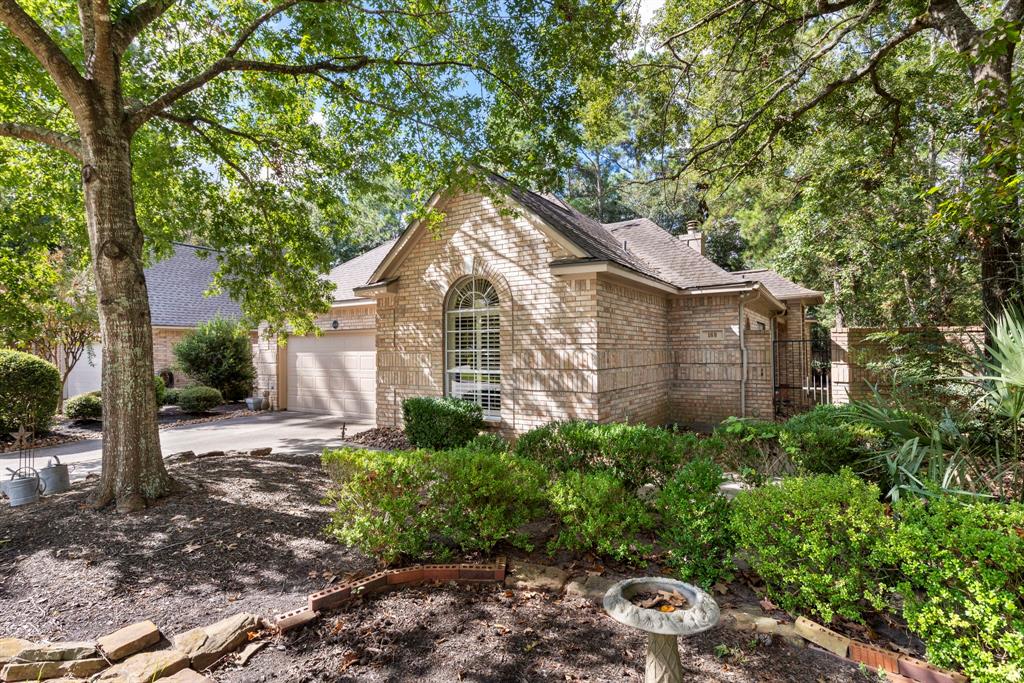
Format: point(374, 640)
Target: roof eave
point(590, 265)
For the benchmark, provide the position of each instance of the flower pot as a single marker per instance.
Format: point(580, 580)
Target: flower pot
point(254, 403)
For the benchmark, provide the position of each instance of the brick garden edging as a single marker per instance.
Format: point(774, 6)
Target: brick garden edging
point(897, 667)
point(390, 579)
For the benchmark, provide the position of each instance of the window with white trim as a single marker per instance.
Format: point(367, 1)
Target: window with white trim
point(473, 345)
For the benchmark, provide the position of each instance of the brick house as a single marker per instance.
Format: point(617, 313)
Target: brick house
point(540, 313)
point(177, 304)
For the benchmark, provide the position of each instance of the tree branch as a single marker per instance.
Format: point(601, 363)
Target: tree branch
point(64, 143)
point(949, 17)
point(132, 24)
point(70, 83)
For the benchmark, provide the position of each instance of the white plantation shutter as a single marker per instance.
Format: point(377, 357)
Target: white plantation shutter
point(473, 345)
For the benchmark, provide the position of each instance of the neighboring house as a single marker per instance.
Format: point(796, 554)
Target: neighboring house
point(542, 314)
point(177, 304)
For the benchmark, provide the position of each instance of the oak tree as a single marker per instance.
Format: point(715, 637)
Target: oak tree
point(242, 123)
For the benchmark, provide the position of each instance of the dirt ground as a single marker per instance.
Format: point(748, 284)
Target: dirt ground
point(248, 537)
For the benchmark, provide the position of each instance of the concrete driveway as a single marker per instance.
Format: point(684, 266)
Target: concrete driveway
point(285, 432)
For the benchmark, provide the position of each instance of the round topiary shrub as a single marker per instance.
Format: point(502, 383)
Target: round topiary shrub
point(85, 407)
point(199, 399)
point(30, 391)
point(219, 354)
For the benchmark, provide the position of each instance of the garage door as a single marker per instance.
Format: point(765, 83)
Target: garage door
point(87, 374)
point(335, 373)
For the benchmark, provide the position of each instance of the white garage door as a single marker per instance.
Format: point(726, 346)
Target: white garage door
point(335, 373)
point(87, 375)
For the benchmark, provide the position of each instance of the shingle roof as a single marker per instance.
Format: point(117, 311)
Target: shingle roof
point(578, 228)
point(355, 272)
point(779, 286)
point(674, 261)
point(639, 244)
point(176, 286)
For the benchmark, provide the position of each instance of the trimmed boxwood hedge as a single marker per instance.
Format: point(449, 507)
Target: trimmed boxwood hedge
point(85, 407)
point(199, 399)
point(441, 423)
point(29, 391)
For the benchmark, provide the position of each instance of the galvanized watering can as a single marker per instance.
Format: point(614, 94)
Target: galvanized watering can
point(55, 477)
point(23, 490)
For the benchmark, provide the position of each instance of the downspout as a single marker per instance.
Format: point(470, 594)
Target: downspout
point(743, 358)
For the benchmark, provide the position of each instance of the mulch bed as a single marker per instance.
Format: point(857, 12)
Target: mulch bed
point(247, 536)
point(68, 431)
point(384, 438)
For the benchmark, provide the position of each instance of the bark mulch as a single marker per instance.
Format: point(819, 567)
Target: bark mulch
point(385, 438)
point(247, 536)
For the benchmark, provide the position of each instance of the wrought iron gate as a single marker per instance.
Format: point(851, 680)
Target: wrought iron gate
point(803, 373)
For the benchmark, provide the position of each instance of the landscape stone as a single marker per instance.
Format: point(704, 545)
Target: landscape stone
point(824, 637)
point(145, 667)
point(211, 454)
point(129, 640)
point(589, 587)
point(187, 676)
point(529, 576)
point(260, 452)
point(12, 646)
point(207, 644)
point(57, 652)
point(17, 670)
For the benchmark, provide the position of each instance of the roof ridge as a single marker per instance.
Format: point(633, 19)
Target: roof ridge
point(196, 246)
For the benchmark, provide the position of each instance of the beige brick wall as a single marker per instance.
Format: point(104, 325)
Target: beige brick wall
point(635, 371)
point(548, 325)
point(164, 339)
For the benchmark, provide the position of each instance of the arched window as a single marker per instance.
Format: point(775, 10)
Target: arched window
point(472, 323)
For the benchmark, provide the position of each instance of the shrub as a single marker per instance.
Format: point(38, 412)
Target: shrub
point(172, 397)
point(598, 512)
point(480, 497)
point(636, 454)
point(695, 524)
point(379, 501)
point(219, 354)
point(30, 391)
point(963, 584)
point(817, 542)
point(490, 443)
point(826, 439)
point(84, 407)
point(406, 504)
point(820, 441)
point(199, 399)
point(161, 390)
point(441, 422)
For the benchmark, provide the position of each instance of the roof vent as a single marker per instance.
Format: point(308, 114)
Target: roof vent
point(693, 238)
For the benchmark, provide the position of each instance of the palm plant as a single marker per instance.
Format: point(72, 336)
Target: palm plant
point(968, 453)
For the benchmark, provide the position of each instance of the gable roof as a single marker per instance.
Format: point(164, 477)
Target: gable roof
point(639, 245)
point(674, 261)
point(176, 288)
point(578, 228)
point(782, 288)
point(355, 272)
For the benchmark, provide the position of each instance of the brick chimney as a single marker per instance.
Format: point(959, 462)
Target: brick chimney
point(693, 238)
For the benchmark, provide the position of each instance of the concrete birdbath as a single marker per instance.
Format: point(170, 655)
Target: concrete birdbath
point(663, 623)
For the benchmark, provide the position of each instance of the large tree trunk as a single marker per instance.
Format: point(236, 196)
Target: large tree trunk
point(133, 468)
point(999, 237)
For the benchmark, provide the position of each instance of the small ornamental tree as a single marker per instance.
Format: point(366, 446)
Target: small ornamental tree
point(218, 354)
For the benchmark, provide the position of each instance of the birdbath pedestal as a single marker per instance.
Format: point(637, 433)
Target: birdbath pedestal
point(663, 628)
